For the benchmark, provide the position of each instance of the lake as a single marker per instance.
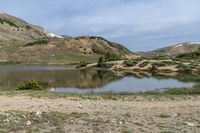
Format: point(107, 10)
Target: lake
point(69, 79)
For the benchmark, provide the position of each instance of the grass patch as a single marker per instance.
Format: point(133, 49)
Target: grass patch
point(78, 115)
point(183, 91)
point(127, 131)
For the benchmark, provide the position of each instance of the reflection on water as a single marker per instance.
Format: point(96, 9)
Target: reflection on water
point(50, 78)
point(63, 79)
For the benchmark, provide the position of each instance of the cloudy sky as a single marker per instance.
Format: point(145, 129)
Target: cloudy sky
point(138, 24)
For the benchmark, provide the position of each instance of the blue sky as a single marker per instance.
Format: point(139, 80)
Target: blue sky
point(138, 24)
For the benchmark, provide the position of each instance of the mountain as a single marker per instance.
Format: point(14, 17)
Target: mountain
point(181, 48)
point(15, 28)
point(21, 42)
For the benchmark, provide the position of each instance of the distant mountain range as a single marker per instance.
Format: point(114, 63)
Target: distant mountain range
point(21, 42)
point(181, 48)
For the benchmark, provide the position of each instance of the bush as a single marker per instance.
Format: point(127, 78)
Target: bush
point(154, 68)
point(112, 56)
point(82, 64)
point(38, 42)
point(29, 85)
point(129, 63)
point(105, 65)
point(101, 60)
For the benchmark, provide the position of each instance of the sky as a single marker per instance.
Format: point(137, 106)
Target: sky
point(140, 25)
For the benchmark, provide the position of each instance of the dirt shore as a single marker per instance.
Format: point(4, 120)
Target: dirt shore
point(141, 114)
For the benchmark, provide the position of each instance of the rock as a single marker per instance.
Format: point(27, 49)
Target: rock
point(52, 89)
point(38, 114)
point(190, 124)
point(28, 123)
point(120, 122)
point(113, 121)
point(6, 120)
point(80, 106)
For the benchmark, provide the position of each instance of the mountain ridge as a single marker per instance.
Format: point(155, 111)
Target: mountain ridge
point(21, 29)
point(185, 47)
point(21, 42)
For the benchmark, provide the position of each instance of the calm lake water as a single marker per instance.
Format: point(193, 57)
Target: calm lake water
point(67, 79)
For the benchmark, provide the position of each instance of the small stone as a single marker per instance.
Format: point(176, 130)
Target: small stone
point(52, 89)
point(6, 120)
point(28, 123)
point(113, 121)
point(38, 113)
point(190, 124)
point(24, 116)
point(120, 122)
point(175, 115)
point(80, 106)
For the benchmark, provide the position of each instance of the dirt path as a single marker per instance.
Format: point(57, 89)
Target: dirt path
point(179, 115)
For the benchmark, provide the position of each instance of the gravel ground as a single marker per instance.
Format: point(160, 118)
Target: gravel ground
point(75, 114)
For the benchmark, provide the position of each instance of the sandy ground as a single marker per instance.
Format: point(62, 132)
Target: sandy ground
point(125, 115)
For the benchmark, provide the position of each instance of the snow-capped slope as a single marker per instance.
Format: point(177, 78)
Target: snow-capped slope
point(54, 35)
point(180, 45)
point(194, 43)
point(49, 34)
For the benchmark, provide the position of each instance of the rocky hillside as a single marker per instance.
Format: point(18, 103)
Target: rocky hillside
point(21, 42)
point(176, 49)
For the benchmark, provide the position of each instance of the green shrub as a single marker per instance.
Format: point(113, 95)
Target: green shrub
point(129, 63)
point(112, 56)
point(37, 42)
point(154, 68)
point(105, 65)
point(101, 60)
point(29, 85)
point(82, 64)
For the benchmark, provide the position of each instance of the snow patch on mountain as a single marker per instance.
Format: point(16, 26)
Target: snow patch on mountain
point(49, 34)
point(194, 43)
point(180, 45)
point(54, 35)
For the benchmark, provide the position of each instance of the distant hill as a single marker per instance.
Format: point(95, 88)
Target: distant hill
point(15, 28)
point(181, 48)
point(21, 42)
